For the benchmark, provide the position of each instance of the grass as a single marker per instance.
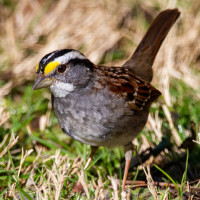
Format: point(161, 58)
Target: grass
point(38, 161)
point(24, 112)
point(183, 181)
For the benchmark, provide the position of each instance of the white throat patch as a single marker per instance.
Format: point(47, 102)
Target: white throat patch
point(60, 89)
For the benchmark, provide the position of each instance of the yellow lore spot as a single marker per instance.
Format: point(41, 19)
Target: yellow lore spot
point(37, 67)
point(50, 67)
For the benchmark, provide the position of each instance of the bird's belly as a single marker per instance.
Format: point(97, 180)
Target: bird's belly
point(97, 124)
point(101, 134)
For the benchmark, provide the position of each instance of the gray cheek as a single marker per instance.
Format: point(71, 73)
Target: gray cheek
point(78, 75)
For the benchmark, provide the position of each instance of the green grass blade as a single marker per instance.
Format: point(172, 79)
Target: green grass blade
point(94, 161)
point(168, 176)
point(21, 191)
point(183, 181)
point(13, 166)
point(48, 144)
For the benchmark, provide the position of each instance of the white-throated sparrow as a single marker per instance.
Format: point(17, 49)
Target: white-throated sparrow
point(104, 106)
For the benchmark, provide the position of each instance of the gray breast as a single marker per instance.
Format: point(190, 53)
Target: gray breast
point(99, 119)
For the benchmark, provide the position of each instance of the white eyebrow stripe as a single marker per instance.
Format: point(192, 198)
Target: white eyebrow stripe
point(51, 55)
point(69, 56)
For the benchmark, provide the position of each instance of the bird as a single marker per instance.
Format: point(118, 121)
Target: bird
point(104, 105)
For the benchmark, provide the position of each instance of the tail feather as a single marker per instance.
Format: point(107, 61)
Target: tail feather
point(142, 59)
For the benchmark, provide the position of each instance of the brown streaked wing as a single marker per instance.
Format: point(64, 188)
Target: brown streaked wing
point(121, 81)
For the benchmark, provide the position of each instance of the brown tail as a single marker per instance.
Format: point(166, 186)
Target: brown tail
point(142, 59)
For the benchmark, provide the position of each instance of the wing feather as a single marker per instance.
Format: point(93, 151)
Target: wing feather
point(134, 90)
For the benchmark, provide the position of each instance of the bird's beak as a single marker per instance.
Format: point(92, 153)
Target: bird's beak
point(42, 82)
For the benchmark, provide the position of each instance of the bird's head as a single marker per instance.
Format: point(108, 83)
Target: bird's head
point(63, 71)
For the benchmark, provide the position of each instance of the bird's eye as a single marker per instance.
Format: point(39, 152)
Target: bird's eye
point(61, 68)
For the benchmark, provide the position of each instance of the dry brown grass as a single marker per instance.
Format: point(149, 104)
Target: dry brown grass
point(38, 27)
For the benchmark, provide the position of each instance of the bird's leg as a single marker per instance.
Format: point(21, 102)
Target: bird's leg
point(128, 149)
point(93, 150)
point(78, 187)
